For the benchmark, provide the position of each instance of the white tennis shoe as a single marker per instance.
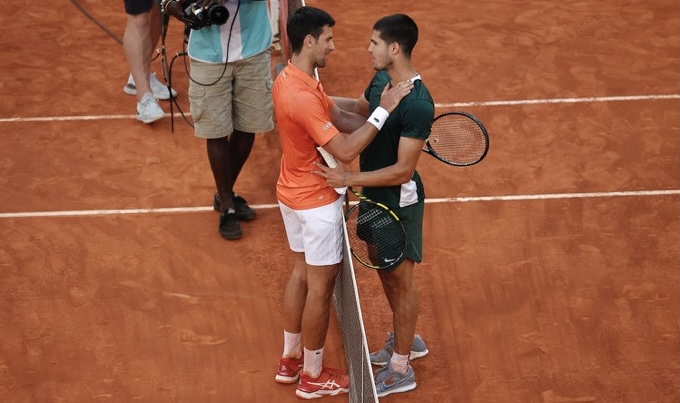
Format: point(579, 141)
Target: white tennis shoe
point(159, 89)
point(148, 110)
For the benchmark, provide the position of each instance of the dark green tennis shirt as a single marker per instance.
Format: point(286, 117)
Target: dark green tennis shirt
point(412, 118)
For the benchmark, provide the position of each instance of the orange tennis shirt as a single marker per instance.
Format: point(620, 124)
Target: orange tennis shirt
point(303, 118)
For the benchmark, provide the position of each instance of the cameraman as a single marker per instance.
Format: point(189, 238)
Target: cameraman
point(229, 90)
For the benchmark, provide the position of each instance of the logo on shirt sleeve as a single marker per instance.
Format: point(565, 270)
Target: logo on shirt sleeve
point(327, 126)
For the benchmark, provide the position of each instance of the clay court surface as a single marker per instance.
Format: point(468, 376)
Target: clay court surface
point(551, 268)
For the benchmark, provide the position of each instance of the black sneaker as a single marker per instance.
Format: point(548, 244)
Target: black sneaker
point(243, 210)
point(229, 226)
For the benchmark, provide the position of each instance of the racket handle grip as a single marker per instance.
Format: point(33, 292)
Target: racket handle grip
point(330, 161)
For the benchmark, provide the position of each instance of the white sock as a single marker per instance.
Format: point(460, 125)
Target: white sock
point(399, 363)
point(291, 344)
point(313, 362)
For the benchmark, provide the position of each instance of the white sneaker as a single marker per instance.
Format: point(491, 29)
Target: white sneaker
point(148, 110)
point(159, 89)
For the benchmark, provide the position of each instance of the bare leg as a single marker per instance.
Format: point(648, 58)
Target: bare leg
point(402, 294)
point(241, 144)
point(227, 156)
point(138, 46)
point(218, 154)
point(295, 295)
point(320, 283)
point(307, 299)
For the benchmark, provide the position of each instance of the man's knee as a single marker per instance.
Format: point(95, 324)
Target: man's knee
point(139, 21)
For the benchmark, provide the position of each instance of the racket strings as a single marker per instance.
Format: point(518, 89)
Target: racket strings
point(458, 139)
point(377, 238)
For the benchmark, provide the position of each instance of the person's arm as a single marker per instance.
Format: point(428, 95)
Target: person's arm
point(396, 174)
point(349, 114)
point(346, 121)
point(353, 105)
point(346, 147)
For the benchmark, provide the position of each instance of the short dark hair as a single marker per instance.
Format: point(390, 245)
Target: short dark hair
point(306, 21)
point(398, 28)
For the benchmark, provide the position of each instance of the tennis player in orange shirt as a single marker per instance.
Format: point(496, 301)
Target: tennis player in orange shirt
point(311, 210)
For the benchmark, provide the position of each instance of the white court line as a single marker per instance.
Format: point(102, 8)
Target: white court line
point(76, 213)
point(438, 105)
point(559, 101)
point(555, 196)
point(75, 118)
point(270, 206)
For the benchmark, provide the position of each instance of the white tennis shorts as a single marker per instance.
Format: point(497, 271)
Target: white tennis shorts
point(316, 232)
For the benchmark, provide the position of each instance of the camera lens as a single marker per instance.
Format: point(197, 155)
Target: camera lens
point(218, 14)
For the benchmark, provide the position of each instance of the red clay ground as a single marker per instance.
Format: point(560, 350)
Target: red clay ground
point(523, 301)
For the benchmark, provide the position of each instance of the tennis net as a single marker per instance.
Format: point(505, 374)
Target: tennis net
point(348, 310)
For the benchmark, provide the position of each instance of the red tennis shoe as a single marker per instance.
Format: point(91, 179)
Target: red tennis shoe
point(289, 370)
point(330, 382)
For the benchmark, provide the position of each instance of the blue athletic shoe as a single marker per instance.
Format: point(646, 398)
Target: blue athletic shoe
point(383, 356)
point(388, 381)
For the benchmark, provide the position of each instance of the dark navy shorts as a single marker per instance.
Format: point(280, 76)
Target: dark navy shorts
point(135, 7)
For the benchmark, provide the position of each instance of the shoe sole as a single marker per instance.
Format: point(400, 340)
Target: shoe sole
point(400, 389)
point(413, 356)
point(231, 237)
point(147, 121)
point(286, 379)
point(319, 394)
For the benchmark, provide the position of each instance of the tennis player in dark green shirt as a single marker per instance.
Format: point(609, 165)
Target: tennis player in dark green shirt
point(388, 175)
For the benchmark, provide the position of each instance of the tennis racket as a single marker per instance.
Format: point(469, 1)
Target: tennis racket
point(457, 138)
point(377, 238)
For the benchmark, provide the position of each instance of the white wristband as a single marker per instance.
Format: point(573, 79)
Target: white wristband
point(378, 117)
